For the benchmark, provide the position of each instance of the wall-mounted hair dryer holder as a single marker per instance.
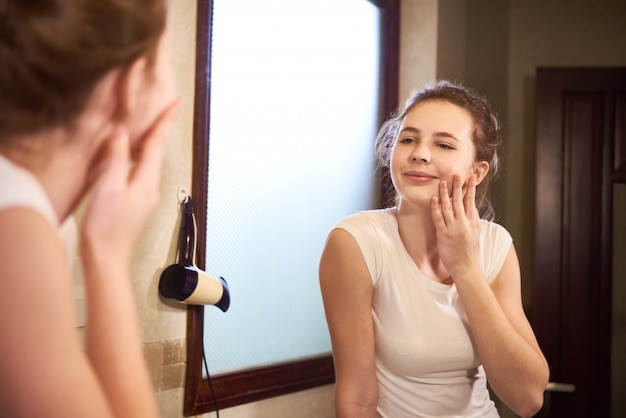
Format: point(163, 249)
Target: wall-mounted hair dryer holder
point(184, 281)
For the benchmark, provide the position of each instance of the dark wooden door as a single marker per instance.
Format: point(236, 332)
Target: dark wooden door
point(580, 153)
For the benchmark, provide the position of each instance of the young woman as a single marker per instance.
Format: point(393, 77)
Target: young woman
point(423, 299)
point(85, 90)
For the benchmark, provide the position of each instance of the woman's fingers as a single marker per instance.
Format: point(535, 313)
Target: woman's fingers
point(445, 202)
point(457, 195)
point(112, 173)
point(454, 215)
point(148, 164)
point(452, 204)
point(457, 204)
point(470, 197)
point(121, 202)
point(436, 212)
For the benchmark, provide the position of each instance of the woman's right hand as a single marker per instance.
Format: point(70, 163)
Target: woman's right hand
point(458, 224)
point(122, 200)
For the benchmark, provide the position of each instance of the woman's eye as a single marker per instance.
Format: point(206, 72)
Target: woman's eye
point(444, 146)
point(406, 140)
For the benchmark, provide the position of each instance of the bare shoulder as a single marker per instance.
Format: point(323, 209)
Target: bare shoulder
point(343, 272)
point(340, 240)
point(341, 254)
point(507, 283)
point(35, 277)
point(40, 338)
point(26, 234)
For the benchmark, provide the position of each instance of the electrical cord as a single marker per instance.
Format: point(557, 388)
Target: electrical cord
point(206, 369)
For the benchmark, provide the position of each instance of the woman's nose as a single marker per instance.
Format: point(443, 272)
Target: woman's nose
point(421, 153)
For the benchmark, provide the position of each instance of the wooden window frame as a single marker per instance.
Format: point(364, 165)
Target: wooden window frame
point(258, 383)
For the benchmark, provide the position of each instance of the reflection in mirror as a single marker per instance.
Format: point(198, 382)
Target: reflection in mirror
point(289, 96)
point(294, 114)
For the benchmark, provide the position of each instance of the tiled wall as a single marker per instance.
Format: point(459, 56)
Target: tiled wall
point(166, 363)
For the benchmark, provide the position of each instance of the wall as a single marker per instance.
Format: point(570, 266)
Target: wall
point(164, 324)
point(494, 45)
point(553, 33)
point(418, 44)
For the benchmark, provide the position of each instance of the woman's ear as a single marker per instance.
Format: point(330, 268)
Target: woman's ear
point(480, 170)
point(128, 88)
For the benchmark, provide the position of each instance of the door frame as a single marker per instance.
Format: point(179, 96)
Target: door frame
point(558, 291)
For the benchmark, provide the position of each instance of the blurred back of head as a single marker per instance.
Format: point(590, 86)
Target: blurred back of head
point(54, 52)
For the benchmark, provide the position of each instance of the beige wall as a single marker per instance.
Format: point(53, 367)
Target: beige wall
point(163, 325)
point(494, 45)
point(554, 33)
point(418, 44)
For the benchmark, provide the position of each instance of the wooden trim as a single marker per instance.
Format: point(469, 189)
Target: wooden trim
point(201, 124)
point(390, 48)
point(254, 384)
point(194, 383)
point(619, 137)
point(262, 382)
point(195, 386)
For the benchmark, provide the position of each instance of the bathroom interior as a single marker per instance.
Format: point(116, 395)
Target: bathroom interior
point(495, 46)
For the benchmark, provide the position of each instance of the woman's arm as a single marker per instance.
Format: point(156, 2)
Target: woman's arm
point(43, 367)
point(347, 292)
point(44, 370)
point(514, 364)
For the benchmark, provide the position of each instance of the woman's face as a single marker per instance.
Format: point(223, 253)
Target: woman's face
point(156, 91)
point(433, 144)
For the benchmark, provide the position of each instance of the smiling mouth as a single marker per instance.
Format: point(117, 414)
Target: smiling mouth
point(419, 177)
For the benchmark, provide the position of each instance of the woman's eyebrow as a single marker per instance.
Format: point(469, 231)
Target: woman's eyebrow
point(410, 129)
point(446, 135)
point(440, 134)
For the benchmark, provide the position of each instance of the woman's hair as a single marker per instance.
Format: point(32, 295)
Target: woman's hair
point(54, 52)
point(486, 135)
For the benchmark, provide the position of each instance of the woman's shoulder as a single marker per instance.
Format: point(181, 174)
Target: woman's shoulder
point(369, 218)
point(375, 233)
point(372, 229)
point(492, 229)
point(495, 243)
point(19, 188)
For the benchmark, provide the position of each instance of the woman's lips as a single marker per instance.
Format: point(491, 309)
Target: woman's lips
point(419, 176)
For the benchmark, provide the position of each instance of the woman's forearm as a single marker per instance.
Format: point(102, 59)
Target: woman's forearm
point(113, 341)
point(515, 367)
point(356, 401)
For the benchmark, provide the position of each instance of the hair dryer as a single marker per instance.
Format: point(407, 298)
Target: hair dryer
point(186, 282)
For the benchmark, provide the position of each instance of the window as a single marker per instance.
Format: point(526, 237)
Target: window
point(325, 73)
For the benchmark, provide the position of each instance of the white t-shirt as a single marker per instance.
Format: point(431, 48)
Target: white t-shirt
point(19, 188)
point(426, 361)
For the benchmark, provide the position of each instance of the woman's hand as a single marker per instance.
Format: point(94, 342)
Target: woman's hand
point(122, 201)
point(457, 223)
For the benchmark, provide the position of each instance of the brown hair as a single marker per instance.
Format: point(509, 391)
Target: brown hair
point(486, 135)
point(53, 53)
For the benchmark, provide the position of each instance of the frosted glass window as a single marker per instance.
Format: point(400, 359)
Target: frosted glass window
point(294, 110)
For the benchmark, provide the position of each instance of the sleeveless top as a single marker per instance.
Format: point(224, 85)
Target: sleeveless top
point(427, 364)
point(20, 188)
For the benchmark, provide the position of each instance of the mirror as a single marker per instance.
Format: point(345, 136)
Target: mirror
point(283, 149)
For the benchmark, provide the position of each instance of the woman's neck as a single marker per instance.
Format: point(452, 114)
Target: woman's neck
point(418, 234)
point(61, 164)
